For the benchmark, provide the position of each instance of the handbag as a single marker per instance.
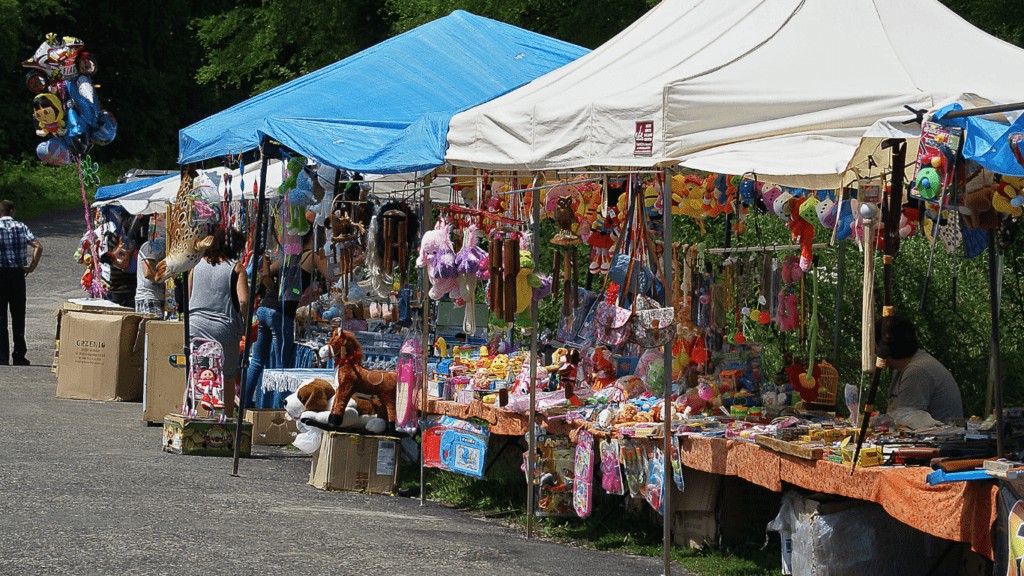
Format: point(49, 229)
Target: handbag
point(612, 326)
point(651, 325)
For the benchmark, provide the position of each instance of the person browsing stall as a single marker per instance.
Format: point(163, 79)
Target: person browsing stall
point(275, 339)
point(218, 293)
point(920, 383)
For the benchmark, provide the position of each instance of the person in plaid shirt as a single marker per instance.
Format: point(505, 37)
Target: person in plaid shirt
point(15, 237)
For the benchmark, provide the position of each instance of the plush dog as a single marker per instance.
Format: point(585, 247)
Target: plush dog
point(352, 378)
point(311, 404)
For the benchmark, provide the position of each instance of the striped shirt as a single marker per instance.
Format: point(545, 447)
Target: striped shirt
point(14, 238)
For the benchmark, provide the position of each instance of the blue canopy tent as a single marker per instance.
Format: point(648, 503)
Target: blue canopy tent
point(986, 141)
point(118, 190)
point(386, 109)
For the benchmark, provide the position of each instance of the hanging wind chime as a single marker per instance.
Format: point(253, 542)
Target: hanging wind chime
point(565, 261)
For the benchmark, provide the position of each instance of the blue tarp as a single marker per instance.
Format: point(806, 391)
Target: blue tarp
point(118, 190)
point(386, 109)
point(986, 142)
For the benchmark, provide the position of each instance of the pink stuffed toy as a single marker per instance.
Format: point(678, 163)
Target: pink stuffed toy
point(802, 231)
point(786, 316)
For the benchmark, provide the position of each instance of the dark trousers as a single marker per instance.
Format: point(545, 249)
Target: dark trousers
point(12, 295)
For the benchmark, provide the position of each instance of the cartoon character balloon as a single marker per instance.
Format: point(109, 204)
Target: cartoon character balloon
point(66, 109)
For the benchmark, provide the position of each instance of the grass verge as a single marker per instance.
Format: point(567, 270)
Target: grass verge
point(616, 524)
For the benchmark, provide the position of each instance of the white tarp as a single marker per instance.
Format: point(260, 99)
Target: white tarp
point(776, 87)
point(155, 198)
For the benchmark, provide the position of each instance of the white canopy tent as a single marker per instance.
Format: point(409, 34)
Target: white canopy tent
point(156, 198)
point(788, 89)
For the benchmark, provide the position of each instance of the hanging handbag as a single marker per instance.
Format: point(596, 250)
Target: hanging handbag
point(611, 320)
point(652, 326)
point(612, 324)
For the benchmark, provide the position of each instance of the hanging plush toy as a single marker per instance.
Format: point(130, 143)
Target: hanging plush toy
point(526, 283)
point(802, 231)
point(690, 189)
point(436, 253)
point(469, 262)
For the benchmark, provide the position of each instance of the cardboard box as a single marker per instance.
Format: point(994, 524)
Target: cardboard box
point(356, 463)
point(701, 494)
point(163, 384)
point(745, 509)
point(101, 355)
point(204, 436)
point(270, 427)
point(695, 529)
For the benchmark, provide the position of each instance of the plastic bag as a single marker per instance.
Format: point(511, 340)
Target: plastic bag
point(308, 438)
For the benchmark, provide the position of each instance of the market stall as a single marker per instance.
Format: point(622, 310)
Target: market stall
point(720, 101)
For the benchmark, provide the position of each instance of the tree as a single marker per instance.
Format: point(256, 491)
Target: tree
point(256, 45)
point(585, 23)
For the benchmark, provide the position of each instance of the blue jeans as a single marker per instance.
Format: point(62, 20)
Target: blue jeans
point(274, 348)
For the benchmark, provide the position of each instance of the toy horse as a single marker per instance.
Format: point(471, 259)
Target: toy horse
point(352, 378)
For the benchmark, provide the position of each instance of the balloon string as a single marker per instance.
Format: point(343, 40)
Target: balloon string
point(95, 289)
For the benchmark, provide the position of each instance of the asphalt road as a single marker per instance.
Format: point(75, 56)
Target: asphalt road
point(86, 489)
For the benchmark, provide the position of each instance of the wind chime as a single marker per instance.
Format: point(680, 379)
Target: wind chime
point(395, 225)
point(346, 234)
point(503, 266)
point(566, 241)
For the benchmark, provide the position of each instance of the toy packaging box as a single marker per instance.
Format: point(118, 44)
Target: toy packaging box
point(356, 463)
point(270, 427)
point(204, 436)
point(456, 446)
point(101, 355)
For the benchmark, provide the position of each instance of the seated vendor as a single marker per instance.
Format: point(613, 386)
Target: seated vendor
point(919, 381)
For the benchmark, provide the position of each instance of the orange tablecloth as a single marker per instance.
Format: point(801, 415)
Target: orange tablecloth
point(961, 511)
point(501, 421)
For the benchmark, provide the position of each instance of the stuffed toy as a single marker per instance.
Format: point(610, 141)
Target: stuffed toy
point(801, 231)
point(768, 195)
point(982, 213)
point(435, 248)
point(782, 207)
point(311, 403)
point(720, 191)
point(526, 283)
point(826, 213)
point(691, 190)
point(352, 378)
point(1009, 196)
point(604, 369)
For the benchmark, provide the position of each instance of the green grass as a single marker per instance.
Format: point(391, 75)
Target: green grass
point(614, 525)
point(38, 188)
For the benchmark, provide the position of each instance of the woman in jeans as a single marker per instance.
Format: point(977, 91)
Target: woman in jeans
point(275, 346)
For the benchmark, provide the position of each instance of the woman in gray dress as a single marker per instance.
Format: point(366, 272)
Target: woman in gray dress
point(218, 293)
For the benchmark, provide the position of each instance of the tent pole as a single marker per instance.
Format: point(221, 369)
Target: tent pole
point(993, 282)
point(425, 310)
point(666, 410)
point(257, 252)
point(531, 444)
